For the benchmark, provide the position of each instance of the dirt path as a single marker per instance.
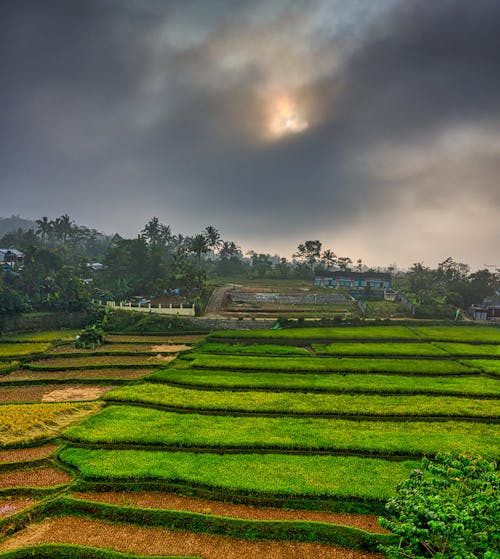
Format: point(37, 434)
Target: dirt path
point(159, 541)
point(156, 500)
point(214, 305)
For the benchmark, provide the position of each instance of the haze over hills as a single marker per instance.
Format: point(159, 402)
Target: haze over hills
point(15, 222)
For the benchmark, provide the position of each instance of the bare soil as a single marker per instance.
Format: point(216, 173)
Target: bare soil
point(157, 500)
point(96, 360)
point(51, 393)
point(25, 454)
point(76, 393)
point(158, 541)
point(169, 348)
point(77, 374)
point(180, 339)
point(37, 477)
point(117, 347)
point(11, 505)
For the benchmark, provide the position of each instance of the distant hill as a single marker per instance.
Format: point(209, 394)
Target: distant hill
point(14, 222)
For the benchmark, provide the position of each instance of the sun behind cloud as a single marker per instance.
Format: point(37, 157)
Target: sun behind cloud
point(285, 117)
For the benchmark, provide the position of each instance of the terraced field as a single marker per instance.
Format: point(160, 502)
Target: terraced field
point(249, 444)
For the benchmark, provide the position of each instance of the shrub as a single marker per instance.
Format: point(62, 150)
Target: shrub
point(447, 509)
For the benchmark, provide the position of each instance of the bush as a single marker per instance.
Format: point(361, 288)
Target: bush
point(447, 509)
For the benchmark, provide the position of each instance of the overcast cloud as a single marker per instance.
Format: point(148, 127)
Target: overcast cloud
point(373, 125)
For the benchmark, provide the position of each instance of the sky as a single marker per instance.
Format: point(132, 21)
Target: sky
point(371, 125)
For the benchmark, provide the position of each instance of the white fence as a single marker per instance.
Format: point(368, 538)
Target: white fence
point(182, 310)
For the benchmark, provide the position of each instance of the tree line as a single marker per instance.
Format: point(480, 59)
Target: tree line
point(66, 265)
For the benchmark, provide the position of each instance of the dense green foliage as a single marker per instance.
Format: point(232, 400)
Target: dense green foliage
point(448, 509)
point(326, 476)
point(312, 404)
point(334, 382)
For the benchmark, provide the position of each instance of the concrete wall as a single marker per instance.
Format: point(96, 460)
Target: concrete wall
point(294, 299)
point(170, 310)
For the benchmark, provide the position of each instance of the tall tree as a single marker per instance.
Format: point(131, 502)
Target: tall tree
point(213, 238)
point(198, 245)
point(328, 258)
point(44, 228)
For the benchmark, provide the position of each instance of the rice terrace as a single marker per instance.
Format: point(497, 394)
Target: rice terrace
point(282, 443)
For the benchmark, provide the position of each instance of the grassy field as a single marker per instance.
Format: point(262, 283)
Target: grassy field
point(308, 404)
point(329, 364)
point(252, 349)
point(479, 334)
point(325, 476)
point(140, 426)
point(352, 348)
point(50, 336)
point(14, 350)
point(333, 382)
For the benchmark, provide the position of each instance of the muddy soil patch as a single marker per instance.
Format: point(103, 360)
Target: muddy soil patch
point(157, 500)
point(158, 541)
point(38, 477)
point(25, 454)
point(10, 505)
point(70, 374)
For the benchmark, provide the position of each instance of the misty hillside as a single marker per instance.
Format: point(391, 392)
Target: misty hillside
point(15, 222)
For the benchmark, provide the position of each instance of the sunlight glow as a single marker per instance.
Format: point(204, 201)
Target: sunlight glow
point(285, 118)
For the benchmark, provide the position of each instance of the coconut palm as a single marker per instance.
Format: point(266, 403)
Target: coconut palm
point(45, 227)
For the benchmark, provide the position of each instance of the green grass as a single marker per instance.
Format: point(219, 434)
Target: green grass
point(485, 334)
point(373, 383)
point(299, 403)
point(487, 365)
point(343, 332)
point(327, 364)
point(22, 349)
point(50, 336)
point(8, 366)
point(388, 348)
point(476, 333)
point(137, 425)
point(314, 476)
point(470, 349)
point(253, 349)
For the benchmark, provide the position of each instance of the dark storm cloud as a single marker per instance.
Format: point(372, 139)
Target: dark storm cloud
point(161, 108)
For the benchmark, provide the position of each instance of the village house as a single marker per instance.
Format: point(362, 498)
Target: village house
point(10, 258)
point(377, 285)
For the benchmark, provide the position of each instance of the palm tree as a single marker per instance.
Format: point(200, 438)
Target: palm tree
point(328, 258)
point(213, 238)
point(63, 227)
point(45, 227)
point(156, 233)
point(198, 245)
